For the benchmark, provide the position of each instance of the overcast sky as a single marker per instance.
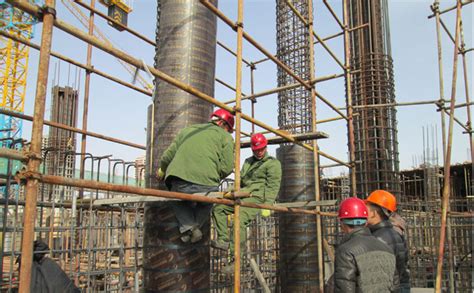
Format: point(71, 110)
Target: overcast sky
point(120, 112)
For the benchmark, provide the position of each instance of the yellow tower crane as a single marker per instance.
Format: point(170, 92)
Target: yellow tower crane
point(13, 69)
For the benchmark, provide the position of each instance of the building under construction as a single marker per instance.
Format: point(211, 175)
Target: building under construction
point(108, 221)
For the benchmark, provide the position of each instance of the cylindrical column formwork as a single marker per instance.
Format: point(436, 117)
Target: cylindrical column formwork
point(375, 129)
point(186, 51)
point(298, 246)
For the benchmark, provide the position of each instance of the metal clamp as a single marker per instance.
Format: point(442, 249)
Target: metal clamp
point(43, 10)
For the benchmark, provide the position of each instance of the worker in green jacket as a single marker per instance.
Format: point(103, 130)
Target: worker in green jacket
point(197, 160)
point(261, 177)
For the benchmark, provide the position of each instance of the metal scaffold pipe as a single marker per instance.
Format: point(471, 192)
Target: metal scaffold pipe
point(447, 161)
point(31, 9)
point(31, 189)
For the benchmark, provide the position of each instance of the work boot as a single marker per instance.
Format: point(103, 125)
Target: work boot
point(185, 237)
point(196, 235)
point(222, 245)
point(228, 269)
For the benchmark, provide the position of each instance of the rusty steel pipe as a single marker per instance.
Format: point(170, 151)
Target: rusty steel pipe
point(233, 53)
point(317, 195)
point(468, 100)
point(110, 19)
point(447, 162)
point(449, 9)
point(286, 87)
point(77, 130)
point(13, 154)
point(334, 15)
point(350, 109)
point(78, 64)
point(33, 10)
point(238, 105)
point(31, 189)
point(234, 26)
point(97, 185)
point(85, 110)
point(320, 41)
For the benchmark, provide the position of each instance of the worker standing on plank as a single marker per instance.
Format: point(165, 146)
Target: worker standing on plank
point(197, 160)
point(381, 204)
point(261, 177)
point(362, 264)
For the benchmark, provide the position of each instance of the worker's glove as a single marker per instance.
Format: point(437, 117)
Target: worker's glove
point(266, 213)
point(228, 195)
point(160, 174)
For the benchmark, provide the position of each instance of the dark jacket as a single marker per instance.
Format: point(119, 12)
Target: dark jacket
point(384, 232)
point(201, 154)
point(261, 178)
point(363, 264)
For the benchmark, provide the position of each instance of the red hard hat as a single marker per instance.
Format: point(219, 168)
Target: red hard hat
point(224, 115)
point(258, 142)
point(352, 208)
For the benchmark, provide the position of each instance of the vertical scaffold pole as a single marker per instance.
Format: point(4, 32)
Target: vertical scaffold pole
point(238, 97)
point(31, 189)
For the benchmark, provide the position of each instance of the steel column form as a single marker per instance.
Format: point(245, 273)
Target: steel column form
point(375, 131)
point(186, 51)
point(447, 161)
point(298, 233)
point(31, 189)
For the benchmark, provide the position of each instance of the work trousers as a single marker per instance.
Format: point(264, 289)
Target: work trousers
point(190, 214)
point(220, 213)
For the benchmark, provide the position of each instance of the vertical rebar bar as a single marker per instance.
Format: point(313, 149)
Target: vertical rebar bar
point(31, 189)
point(350, 110)
point(447, 162)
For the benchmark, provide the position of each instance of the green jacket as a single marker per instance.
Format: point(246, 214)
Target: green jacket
point(201, 154)
point(261, 178)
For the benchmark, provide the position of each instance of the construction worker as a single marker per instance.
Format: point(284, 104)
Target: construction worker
point(261, 177)
point(381, 204)
point(362, 263)
point(197, 160)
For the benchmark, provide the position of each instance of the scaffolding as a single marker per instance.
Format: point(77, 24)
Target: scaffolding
point(101, 230)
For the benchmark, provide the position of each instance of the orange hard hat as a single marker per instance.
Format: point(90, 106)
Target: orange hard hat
point(383, 199)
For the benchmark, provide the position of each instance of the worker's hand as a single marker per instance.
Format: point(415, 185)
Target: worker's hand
point(160, 175)
point(266, 213)
point(228, 195)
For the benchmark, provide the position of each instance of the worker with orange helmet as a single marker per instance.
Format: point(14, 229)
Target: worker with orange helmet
point(381, 205)
point(362, 263)
point(261, 177)
point(197, 160)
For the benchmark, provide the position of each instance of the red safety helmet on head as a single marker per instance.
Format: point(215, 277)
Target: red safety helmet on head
point(258, 142)
point(224, 115)
point(353, 208)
